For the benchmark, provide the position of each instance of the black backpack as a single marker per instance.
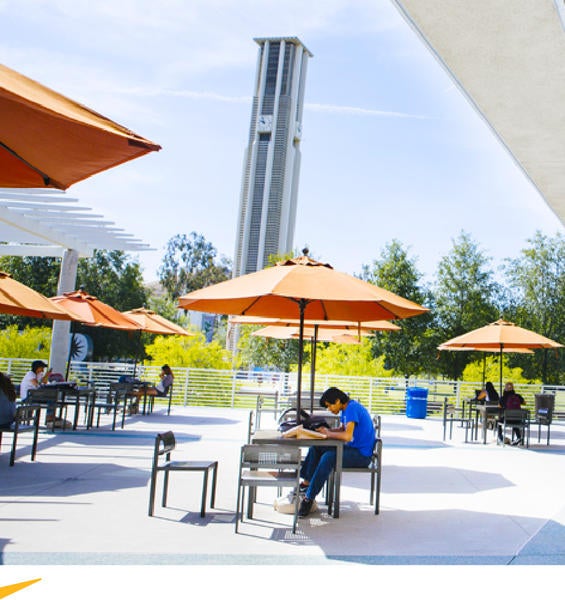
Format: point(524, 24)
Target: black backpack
point(288, 420)
point(513, 402)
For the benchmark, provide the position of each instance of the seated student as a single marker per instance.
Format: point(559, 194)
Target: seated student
point(356, 430)
point(488, 395)
point(35, 378)
point(7, 401)
point(160, 390)
point(511, 400)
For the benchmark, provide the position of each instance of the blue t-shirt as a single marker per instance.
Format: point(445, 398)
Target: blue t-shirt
point(364, 432)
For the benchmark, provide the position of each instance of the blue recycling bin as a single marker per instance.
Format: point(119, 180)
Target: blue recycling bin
point(416, 402)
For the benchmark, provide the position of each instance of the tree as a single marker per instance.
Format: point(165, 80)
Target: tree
point(535, 301)
point(192, 351)
point(466, 297)
point(350, 359)
point(110, 275)
point(32, 342)
point(37, 272)
point(410, 350)
point(114, 278)
point(265, 352)
point(190, 264)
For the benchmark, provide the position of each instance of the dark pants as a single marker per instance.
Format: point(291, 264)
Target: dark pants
point(320, 462)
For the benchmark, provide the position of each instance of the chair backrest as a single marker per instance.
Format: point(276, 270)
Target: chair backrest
point(515, 415)
point(164, 444)
point(377, 425)
point(43, 393)
point(270, 456)
point(167, 440)
point(115, 390)
point(545, 401)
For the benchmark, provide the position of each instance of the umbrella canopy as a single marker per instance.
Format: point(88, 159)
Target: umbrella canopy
point(499, 336)
point(301, 288)
point(19, 299)
point(94, 312)
point(151, 322)
point(347, 325)
point(48, 140)
point(324, 335)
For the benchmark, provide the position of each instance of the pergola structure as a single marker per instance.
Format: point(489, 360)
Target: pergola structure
point(507, 59)
point(42, 222)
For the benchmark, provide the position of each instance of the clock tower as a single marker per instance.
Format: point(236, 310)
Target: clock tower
point(269, 190)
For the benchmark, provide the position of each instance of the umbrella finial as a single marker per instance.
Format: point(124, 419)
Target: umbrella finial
point(305, 251)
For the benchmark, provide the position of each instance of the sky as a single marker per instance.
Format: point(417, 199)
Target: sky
point(391, 149)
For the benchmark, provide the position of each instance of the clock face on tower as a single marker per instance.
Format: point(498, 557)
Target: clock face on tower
point(264, 123)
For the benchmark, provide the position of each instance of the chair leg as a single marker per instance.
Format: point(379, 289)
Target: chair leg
point(238, 505)
point(14, 442)
point(165, 488)
point(204, 493)
point(214, 481)
point(35, 436)
point(152, 492)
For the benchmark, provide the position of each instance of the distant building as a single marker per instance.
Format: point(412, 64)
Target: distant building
point(267, 212)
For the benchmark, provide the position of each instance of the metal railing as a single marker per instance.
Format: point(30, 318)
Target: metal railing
point(277, 391)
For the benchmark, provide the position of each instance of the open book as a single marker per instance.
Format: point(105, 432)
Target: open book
point(300, 432)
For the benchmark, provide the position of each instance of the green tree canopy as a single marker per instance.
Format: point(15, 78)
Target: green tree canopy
point(190, 264)
point(536, 293)
point(37, 272)
point(466, 297)
point(192, 351)
point(256, 351)
point(408, 351)
point(114, 278)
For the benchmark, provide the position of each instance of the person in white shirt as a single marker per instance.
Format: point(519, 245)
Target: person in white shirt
point(35, 378)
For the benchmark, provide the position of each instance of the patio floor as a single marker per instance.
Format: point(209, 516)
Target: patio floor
point(84, 501)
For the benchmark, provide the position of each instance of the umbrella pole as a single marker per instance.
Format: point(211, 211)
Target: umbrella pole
point(70, 352)
point(484, 369)
point(135, 359)
point(313, 367)
point(500, 376)
point(302, 306)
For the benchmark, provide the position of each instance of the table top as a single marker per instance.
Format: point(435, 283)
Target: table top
point(273, 436)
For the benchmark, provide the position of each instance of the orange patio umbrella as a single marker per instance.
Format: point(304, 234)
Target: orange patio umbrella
point(94, 313)
point(301, 288)
point(316, 331)
point(19, 299)
point(49, 140)
point(282, 332)
point(347, 325)
point(151, 322)
point(500, 336)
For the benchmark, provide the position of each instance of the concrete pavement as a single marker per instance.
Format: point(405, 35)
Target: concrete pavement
point(84, 501)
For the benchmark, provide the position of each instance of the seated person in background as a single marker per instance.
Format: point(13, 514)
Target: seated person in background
point(161, 389)
point(7, 401)
point(357, 430)
point(35, 378)
point(512, 401)
point(489, 395)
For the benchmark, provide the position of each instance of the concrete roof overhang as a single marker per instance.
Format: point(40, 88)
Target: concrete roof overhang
point(508, 60)
point(39, 222)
